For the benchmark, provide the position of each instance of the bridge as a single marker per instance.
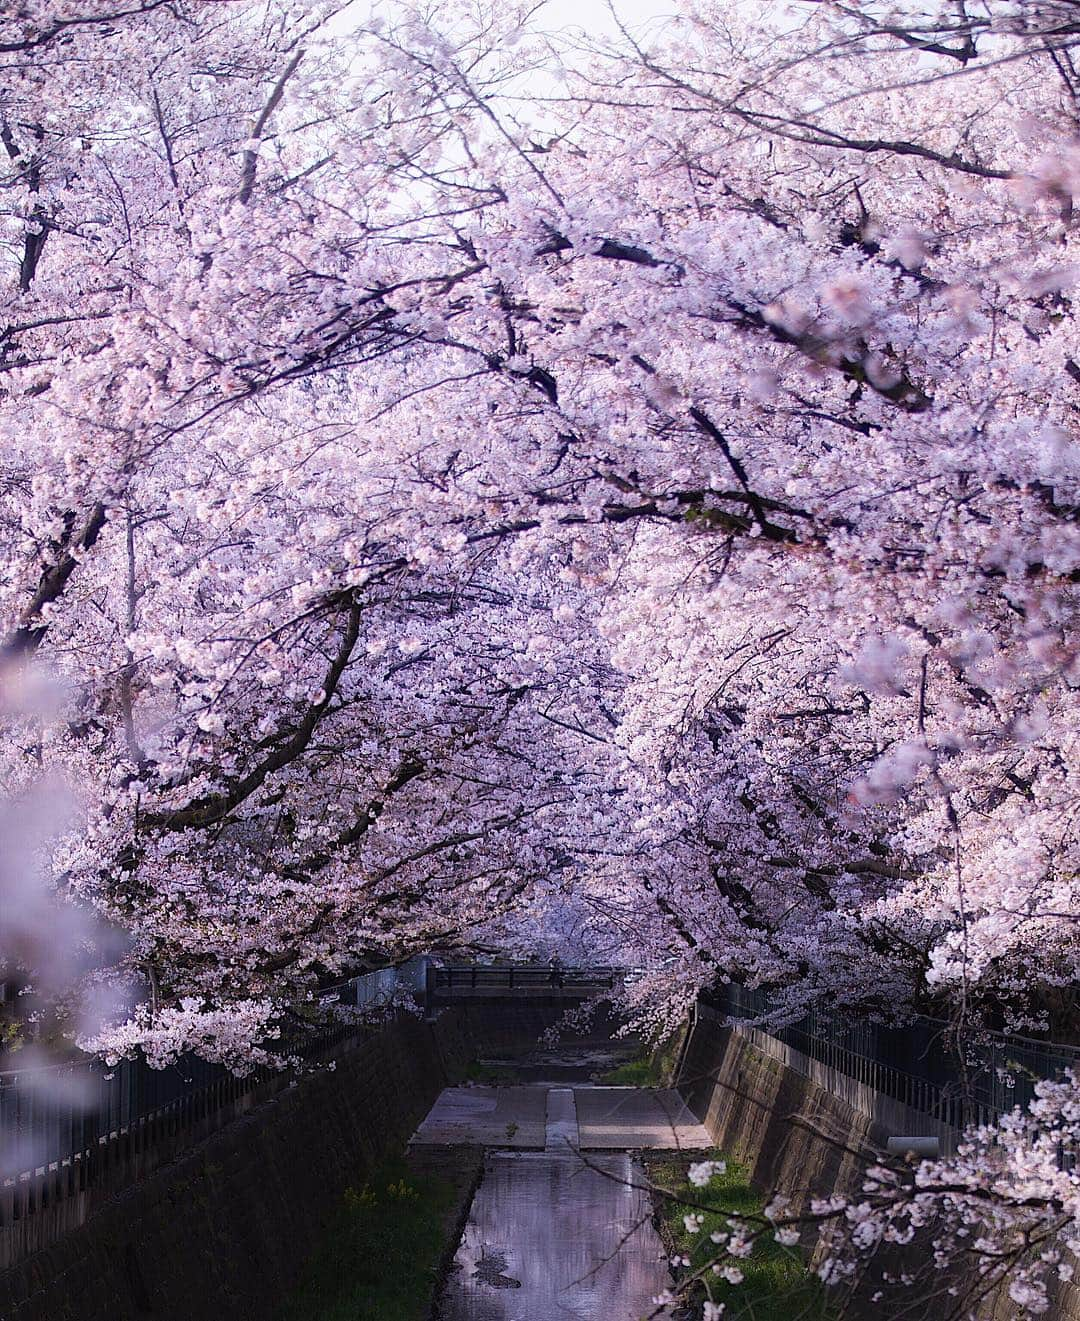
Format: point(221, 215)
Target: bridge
point(458, 982)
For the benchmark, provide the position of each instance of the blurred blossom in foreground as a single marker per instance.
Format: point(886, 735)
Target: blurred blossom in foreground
point(49, 944)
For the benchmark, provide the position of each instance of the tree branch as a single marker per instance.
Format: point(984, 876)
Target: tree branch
point(207, 811)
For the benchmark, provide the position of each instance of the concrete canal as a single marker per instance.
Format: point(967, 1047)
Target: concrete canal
point(557, 1230)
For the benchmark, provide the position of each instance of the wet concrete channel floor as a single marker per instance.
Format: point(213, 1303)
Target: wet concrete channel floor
point(557, 1230)
point(549, 1239)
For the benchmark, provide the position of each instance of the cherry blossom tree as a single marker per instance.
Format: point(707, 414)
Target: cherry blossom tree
point(465, 487)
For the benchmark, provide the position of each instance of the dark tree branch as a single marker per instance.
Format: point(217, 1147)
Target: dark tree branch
point(212, 808)
point(247, 180)
point(38, 228)
point(31, 629)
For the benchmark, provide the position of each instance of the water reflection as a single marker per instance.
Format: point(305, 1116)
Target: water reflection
point(549, 1239)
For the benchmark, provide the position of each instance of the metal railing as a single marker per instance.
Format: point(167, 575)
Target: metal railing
point(924, 1064)
point(496, 977)
point(65, 1127)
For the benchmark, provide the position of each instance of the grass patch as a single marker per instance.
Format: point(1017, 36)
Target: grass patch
point(381, 1254)
point(493, 1075)
point(776, 1286)
point(638, 1072)
point(651, 1068)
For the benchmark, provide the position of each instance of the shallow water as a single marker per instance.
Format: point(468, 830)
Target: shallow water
point(551, 1238)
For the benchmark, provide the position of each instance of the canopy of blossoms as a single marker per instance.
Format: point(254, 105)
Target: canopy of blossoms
point(469, 488)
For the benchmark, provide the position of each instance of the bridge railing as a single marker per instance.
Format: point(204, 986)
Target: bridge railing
point(925, 1064)
point(494, 978)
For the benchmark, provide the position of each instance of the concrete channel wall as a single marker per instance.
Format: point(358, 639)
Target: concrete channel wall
point(224, 1229)
point(805, 1130)
point(887, 1117)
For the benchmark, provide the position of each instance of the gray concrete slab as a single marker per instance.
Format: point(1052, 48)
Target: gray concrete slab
point(607, 1119)
point(486, 1117)
point(562, 1127)
point(549, 1239)
point(633, 1118)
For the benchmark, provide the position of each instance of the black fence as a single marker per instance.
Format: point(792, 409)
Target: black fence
point(64, 1126)
point(960, 1078)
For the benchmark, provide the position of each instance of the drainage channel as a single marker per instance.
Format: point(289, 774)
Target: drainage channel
point(555, 1236)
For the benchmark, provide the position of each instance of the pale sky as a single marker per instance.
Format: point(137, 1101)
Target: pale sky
point(595, 16)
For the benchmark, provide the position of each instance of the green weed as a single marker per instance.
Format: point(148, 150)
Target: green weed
point(380, 1257)
point(776, 1285)
point(652, 1068)
point(494, 1075)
